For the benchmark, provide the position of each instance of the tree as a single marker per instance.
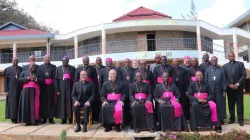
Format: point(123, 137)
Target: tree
point(9, 12)
point(193, 14)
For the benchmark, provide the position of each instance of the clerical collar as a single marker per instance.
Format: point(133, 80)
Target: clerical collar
point(214, 66)
point(112, 81)
point(140, 83)
point(232, 61)
point(166, 83)
point(83, 82)
point(176, 67)
point(199, 82)
point(195, 67)
point(86, 66)
point(14, 65)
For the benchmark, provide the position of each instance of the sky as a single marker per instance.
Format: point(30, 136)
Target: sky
point(69, 15)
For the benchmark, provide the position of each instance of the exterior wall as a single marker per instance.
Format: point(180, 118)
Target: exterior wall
point(169, 34)
point(245, 26)
point(169, 40)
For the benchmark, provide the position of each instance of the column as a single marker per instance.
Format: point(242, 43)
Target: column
point(14, 49)
point(235, 44)
point(48, 46)
point(248, 52)
point(198, 37)
point(76, 46)
point(227, 47)
point(104, 49)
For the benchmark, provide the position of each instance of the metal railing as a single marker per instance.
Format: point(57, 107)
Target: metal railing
point(91, 49)
point(58, 55)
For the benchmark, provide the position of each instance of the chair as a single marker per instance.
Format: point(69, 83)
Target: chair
point(82, 117)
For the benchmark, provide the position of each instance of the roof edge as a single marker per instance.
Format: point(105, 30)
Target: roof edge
point(8, 23)
point(238, 19)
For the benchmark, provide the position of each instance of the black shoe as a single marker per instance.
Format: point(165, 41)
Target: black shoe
point(13, 121)
point(70, 121)
point(195, 130)
point(118, 128)
point(51, 121)
point(231, 122)
point(137, 130)
point(218, 129)
point(151, 130)
point(77, 129)
point(44, 121)
point(63, 121)
point(84, 128)
point(222, 122)
point(241, 123)
point(107, 129)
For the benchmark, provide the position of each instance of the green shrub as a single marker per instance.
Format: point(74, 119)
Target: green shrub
point(63, 135)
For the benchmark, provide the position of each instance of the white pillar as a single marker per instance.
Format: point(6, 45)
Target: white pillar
point(198, 37)
point(235, 44)
point(14, 49)
point(48, 46)
point(76, 46)
point(104, 49)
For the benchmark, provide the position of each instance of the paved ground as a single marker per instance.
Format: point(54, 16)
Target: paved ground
point(10, 131)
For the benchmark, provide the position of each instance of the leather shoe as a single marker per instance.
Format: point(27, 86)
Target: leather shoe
point(137, 130)
point(118, 128)
point(241, 123)
point(231, 122)
point(218, 129)
point(77, 129)
point(151, 130)
point(63, 121)
point(84, 128)
point(44, 121)
point(51, 121)
point(107, 129)
point(195, 130)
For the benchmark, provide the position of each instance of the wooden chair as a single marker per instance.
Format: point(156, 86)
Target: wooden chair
point(82, 117)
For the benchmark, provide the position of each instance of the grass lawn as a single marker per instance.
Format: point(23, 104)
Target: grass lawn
point(246, 110)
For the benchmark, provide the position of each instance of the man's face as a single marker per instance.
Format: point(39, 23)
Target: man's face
point(83, 75)
point(127, 63)
point(231, 57)
point(85, 61)
point(165, 77)
point(205, 57)
point(164, 60)
point(199, 76)
point(32, 59)
point(98, 61)
point(143, 64)
point(65, 62)
point(214, 61)
point(175, 62)
point(157, 59)
point(138, 77)
point(135, 64)
point(187, 62)
point(194, 62)
point(112, 75)
point(109, 63)
point(32, 67)
point(46, 59)
point(15, 62)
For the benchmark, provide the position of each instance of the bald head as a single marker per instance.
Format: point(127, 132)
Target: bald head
point(175, 62)
point(112, 75)
point(194, 62)
point(165, 77)
point(231, 56)
point(32, 58)
point(15, 61)
point(32, 66)
point(47, 59)
point(127, 63)
point(85, 60)
point(143, 64)
point(65, 60)
point(214, 61)
point(205, 57)
point(164, 60)
point(98, 61)
point(138, 76)
point(199, 76)
point(83, 76)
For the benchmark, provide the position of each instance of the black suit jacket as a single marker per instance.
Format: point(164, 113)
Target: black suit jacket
point(88, 91)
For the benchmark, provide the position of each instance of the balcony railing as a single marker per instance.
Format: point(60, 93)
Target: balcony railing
point(91, 49)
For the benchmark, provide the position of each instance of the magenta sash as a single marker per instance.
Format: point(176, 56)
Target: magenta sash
point(147, 105)
point(89, 79)
point(177, 106)
point(146, 81)
point(160, 80)
point(193, 78)
point(66, 76)
point(32, 84)
point(118, 107)
point(49, 81)
point(212, 105)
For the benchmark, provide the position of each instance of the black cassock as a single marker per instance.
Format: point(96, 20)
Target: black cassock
point(29, 102)
point(215, 78)
point(13, 87)
point(181, 80)
point(47, 109)
point(203, 66)
point(166, 112)
point(142, 119)
point(159, 70)
point(91, 73)
point(127, 75)
point(26, 67)
point(64, 86)
point(200, 115)
point(192, 71)
point(107, 111)
point(104, 75)
point(234, 72)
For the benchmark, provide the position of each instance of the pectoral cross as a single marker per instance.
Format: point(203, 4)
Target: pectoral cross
point(63, 77)
point(16, 76)
point(113, 93)
point(98, 77)
point(128, 78)
point(214, 78)
point(47, 73)
point(199, 94)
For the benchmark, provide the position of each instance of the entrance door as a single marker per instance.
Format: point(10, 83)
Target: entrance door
point(151, 42)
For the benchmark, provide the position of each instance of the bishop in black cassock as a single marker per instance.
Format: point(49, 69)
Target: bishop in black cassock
point(47, 109)
point(235, 75)
point(193, 69)
point(214, 76)
point(32, 59)
point(64, 79)
point(206, 63)
point(12, 88)
point(181, 80)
